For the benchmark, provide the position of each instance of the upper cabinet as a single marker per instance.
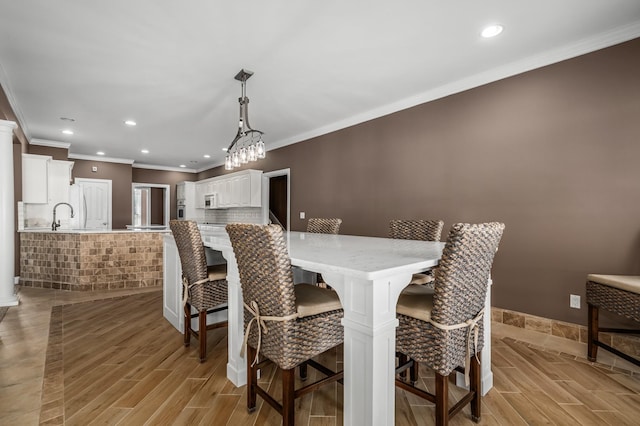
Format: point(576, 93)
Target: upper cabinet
point(34, 178)
point(239, 189)
point(45, 180)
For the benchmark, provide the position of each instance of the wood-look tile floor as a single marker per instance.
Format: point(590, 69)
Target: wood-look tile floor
point(68, 359)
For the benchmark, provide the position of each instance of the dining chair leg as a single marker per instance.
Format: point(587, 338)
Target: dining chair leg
point(303, 371)
point(592, 333)
point(413, 372)
point(476, 388)
point(402, 360)
point(202, 334)
point(187, 324)
point(252, 379)
point(442, 399)
point(288, 397)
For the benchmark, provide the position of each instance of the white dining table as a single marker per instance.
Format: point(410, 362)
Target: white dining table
point(368, 273)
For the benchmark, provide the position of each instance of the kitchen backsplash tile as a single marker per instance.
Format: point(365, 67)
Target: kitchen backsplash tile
point(244, 215)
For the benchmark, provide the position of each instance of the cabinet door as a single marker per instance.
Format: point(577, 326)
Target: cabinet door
point(200, 192)
point(242, 190)
point(34, 178)
point(59, 178)
point(180, 195)
point(224, 197)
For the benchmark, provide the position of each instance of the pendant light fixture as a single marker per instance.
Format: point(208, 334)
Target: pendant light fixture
point(247, 145)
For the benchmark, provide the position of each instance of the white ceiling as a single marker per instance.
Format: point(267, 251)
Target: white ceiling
point(319, 65)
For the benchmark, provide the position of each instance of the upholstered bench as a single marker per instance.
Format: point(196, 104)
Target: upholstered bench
point(619, 294)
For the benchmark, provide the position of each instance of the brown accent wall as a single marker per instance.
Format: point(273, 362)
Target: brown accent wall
point(553, 153)
point(56, 153)
point(120, 176)
point(157, 206)
point(170, 178)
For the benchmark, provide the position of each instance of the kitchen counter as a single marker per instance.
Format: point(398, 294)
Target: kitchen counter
point(93, 231)
point(91, 259)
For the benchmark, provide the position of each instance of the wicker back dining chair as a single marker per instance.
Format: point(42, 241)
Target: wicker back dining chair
point(205, 287)
point(422, 230)
point(323, 226)
point(619, 294)
point(442, 328)
point(285, 324)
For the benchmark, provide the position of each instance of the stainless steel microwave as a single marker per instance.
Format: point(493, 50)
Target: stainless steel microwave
point(211, 201)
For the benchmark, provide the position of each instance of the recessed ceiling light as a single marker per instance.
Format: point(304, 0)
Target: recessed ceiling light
point(225, 149)
point(67, 132)
point(491, 30)
point(182, 165)
point(144, 151)
point(130, 123)
point(206, 156)
point(100, 153)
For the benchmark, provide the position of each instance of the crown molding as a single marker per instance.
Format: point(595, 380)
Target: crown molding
point(100, 158)
point(49, 143)
point(166, 168)
point(6, 87)
point(562, 53)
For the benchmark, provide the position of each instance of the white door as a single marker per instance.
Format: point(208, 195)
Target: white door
point(97, 196)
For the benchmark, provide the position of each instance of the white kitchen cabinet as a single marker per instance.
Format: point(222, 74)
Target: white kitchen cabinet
point(201, 188)
point(58, 181)
point(44, 180)
point(180, 196)
point(241, 189)
point(34, 178)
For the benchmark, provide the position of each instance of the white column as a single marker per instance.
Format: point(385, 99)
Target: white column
point(236, 364)
point(7, 216)
point(369, 346)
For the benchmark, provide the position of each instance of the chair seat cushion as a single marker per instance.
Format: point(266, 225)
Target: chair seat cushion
point(217, 272)
point(313, 300)
point(421, 279)
point(416, 301)
point(630, 283)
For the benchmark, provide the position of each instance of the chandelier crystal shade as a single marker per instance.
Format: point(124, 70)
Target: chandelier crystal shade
point(247, 145)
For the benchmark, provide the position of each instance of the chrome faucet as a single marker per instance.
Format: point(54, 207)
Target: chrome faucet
point(55, 225)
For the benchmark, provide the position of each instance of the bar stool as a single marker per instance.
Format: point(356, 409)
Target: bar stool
point(619, 294)
point(443, 328)
point(284, 323)
point(422, 230)
point(205, 287)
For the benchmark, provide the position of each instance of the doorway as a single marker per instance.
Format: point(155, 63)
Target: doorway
point(276, 197)
point(93, 203)
point(149, 205)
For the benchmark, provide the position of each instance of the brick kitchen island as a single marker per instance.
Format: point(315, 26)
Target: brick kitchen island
point(83, 260)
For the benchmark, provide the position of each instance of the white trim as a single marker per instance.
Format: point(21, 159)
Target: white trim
point(46, 142)
point(100, 158)
point(167, 168)
point(16, 280)
point(4, 82)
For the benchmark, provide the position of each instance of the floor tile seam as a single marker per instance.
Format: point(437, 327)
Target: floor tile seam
point(56, 333)
point(574, 357)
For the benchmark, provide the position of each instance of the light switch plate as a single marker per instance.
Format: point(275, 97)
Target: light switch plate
point(301, 215)
point(574, 301)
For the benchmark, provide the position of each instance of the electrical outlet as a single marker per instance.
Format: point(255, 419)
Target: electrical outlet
point(301, 215)
point(574, 301)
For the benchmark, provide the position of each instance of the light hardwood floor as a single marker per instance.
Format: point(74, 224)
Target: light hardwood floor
point(105, 358)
